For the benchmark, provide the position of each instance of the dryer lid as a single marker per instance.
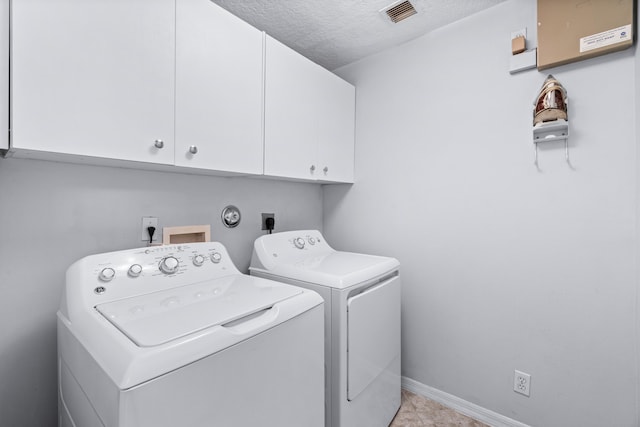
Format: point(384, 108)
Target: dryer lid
point(157, 318)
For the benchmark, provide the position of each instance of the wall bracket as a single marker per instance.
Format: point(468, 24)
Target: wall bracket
point(557, 130)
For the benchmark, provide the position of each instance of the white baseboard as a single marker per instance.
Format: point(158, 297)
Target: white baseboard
point(467, 408)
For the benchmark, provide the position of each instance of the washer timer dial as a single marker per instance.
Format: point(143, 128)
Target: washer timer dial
point(169, 265)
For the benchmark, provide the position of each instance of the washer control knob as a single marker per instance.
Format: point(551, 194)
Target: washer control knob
point(299, 242)
point(169, 265)
point(107, 274)
point(198, 260)
point(312, 240)
point(135, 270)
point(216, 257)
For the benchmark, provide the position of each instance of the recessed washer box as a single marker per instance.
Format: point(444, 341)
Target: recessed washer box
point(186, 234)
point(573, 30)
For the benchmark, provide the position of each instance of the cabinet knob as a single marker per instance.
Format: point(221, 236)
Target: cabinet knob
point(326, 169)
point(312, 168)
point(159, 143)
point(193, 149)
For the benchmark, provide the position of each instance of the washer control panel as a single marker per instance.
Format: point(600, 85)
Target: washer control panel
point(132, 272)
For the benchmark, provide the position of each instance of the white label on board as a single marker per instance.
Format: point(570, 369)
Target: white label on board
point(605, 38)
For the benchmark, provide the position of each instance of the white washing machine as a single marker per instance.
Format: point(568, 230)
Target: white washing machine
point(176, 336)
point(362, 321)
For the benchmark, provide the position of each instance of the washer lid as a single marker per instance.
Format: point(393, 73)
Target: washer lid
point(157, 318)
point(337, 269)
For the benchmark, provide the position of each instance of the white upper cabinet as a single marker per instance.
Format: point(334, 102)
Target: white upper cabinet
point(219, 90)
point(94, 78)
point(309, 119)
point(168, 83)
point(290, 113)
point(4, 74)
point(336, 130)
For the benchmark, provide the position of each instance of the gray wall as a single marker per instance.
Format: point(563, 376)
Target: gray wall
point(504, 267)
point(637, 191)
point(54, 213)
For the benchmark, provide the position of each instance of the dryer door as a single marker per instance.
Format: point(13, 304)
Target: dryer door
point(373, 334)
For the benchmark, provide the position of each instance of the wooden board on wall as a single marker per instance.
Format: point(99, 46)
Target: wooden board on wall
point(573, 30)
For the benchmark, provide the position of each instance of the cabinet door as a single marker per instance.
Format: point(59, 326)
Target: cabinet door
point(94, 78)
point(290, 113)
point(336, 130)
point(219, 89)
point(4, 74)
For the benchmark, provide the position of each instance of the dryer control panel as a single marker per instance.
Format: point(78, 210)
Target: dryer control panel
point(307, 240)
point(288, 247)
point(305, 255)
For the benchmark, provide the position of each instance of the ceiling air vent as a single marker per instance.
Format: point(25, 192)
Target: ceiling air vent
point(399, 11)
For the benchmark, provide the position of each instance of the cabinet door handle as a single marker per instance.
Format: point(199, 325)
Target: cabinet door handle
point(326, 169)
point(193, 149)
point(159, 143)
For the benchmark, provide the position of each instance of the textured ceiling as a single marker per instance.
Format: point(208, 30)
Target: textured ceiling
point(333, 33)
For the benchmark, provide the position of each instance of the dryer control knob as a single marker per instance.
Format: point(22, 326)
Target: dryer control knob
point(169, 265)
point(107, 274)
point(299, 242)
point(216, 257)
point(135, 270)
point(198, 260)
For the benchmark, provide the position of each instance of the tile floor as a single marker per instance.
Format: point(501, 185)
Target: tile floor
point(418, 411)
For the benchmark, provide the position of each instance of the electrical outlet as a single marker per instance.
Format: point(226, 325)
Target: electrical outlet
point(521, 383)
point(264, 219)
point(149, 221)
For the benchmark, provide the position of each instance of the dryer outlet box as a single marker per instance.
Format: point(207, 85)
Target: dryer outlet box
point(264, 219)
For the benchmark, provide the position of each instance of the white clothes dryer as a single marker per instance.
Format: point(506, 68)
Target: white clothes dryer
point(176, 336)
point(362, 321)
